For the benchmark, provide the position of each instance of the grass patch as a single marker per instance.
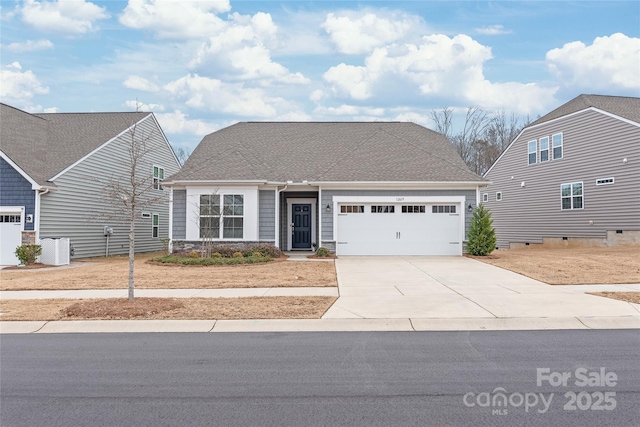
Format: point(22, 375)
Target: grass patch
point(171, 259)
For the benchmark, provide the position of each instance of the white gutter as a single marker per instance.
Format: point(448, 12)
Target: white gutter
point(36, 213)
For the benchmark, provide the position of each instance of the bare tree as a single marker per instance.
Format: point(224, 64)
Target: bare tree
point(483, 136)
point(182, 154)
point(134, 191)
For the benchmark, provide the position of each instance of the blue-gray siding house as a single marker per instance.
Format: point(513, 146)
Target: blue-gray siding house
point(355, 188)
point(53, 169)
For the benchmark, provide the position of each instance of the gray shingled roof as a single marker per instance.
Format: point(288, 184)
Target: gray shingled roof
point(626, 107)
point(325, 151)
point(44, 144)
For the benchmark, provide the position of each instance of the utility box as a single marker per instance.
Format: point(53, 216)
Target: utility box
point(55, 251)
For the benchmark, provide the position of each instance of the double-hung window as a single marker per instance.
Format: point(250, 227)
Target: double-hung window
point(544, 149)
point(209, 216)
point(556, 141)
point(155, 226)
point(572, 196)
point(533, 152)
point(158, 176)
point(232, 213)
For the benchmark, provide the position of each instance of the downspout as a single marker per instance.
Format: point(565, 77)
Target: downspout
point(277, 236)
point(36, 225)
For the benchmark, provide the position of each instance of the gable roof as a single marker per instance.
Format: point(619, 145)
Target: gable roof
point(43, 145)
point(325, 152)
point(622, 106)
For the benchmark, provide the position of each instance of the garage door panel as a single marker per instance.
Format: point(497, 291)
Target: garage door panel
point(10, 239)
point(399, 233)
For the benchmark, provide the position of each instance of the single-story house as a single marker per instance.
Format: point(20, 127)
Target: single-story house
point(378, 188)
point(571, 177)
point(53, 168)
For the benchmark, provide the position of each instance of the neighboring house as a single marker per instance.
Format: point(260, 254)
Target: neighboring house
point(52, 171)
point(572, 175)
point(354, 188)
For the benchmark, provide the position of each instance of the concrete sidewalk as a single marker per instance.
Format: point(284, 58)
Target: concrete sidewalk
point(388, 294)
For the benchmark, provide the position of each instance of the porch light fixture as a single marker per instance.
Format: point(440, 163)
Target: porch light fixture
point(470, 208)
point(328, 208)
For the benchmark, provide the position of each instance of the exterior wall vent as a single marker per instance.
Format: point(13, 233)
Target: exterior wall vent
point(565, 238)
point(618, 231)
point(605, 181)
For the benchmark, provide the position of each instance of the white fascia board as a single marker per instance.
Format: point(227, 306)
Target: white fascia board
point(71, 166)
point(457, 185)
point(606, 113)
point(201, 183)
point(34, 184)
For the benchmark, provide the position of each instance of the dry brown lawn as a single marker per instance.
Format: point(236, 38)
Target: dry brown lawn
point(112, 273)
point(623, 296)
point(571, 266)
point(167, 308)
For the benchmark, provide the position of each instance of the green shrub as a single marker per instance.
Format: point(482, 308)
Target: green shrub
point(210, 261)
point(194, 254)
point(482, 236)
point(323, 252)
point(27, 254)
point(238, 255)
point(257, 254)
point(216, 255)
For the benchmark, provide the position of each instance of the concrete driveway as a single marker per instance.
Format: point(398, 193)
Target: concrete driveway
point(457, 288)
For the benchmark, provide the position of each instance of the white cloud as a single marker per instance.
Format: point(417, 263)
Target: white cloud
point(62, 16)
point(140, 106)
point(492, 30)
point(231, 98)
point(140, 83)
point(241, 52)
point(179, 122)
point(358, 35)
point(439, 66)
point(51, 110)
point(612, 61)
point(350, 110)
point(175, 19)
point(18, 87)
point(28, 46)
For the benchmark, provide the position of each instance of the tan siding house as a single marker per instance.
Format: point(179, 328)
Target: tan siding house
point(572, 176)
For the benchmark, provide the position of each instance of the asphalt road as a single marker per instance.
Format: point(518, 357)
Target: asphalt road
point(586, 378)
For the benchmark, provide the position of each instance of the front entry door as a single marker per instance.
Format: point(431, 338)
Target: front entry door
point(301, 229)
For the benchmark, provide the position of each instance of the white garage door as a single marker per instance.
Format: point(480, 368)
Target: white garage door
point(399, 229)
point(10, 237)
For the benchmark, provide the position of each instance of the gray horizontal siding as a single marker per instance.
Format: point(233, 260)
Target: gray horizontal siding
point(594, 146)
point(79, 211)
point(179, 214)
point(16, 191)
point(328, 195)
point(267, 214)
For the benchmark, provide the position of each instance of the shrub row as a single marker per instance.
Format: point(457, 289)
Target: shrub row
point(211, 261)
point(230, 251)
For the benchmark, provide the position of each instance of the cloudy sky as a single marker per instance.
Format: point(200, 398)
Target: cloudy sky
point(203, 65)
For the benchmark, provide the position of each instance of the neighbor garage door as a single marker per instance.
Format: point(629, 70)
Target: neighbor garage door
point(399, 229)
point(10, 237)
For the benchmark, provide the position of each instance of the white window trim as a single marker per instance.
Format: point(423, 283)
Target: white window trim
point(251, 220)
point(572, 196)
point(153, 217)
point(529, 152)
point(498, 196)
point(223, 216)
point(552, 157)
point(159, 184)
point(485, 197)
point(599, 181)
point(547, 150)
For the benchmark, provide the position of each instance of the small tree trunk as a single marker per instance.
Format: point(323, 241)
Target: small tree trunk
point(132, 229)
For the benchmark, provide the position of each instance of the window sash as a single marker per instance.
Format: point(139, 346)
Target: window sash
point(532, 150)
point(544, 149)
point(556, 143)
point(224, 221)
point(155, 226)
point(572, 196)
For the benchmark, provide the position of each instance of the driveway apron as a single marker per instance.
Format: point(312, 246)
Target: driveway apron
point(455, 287)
